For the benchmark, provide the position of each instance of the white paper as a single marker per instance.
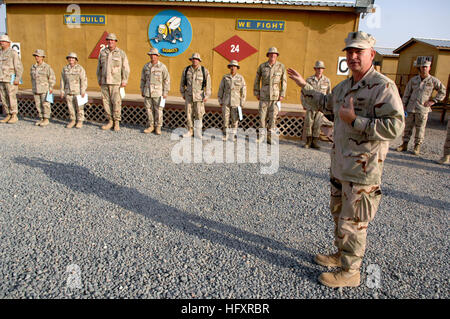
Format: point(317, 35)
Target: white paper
point(240, 113)
point(82, 100)
point(122, 92)
point(279, 106)
point(49, 97)
point(162, 103)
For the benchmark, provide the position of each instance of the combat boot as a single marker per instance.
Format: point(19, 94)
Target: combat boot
point(340, 278)
point(314, 143)
point(403, 147)
point(79, 124)
point(116, 126)
point(308, 142)
point(149, 129)
point(189, 133)
point(6, 119)
point(44, 122)
point(158, 130)
point(444, 160)
point(38, 122)
point(13, 119)
point(333, 260)
point(417, 149)
point(108, 125)
point(71, 124)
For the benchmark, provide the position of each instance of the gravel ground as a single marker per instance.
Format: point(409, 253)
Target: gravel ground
point(116, 209)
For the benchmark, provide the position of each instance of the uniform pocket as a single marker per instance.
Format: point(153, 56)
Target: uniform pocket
point(367, 204)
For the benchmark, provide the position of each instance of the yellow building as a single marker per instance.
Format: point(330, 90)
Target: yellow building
point(303, 32)
point(436, 51)
point(387, 60)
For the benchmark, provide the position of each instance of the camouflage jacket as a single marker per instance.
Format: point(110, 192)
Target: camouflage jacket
point(10, 64)
point(419, 91)
point(193, 88)
point(73, 80)
point(155, 80)
point(42, 78)
point(112, 67)
point(323, 85)
point(270, 82)
point(232, 90)
point(359, 150)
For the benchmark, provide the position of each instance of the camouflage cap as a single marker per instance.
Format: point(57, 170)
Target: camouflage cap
point(195, 56)
point(359, 40)
point(4, 38)
point(39, 52)
point(424, 63)
point(153, 51)
point(72, 55)
point(272, 50)
point(319, 65)
point(234, 63)
point(111, 36)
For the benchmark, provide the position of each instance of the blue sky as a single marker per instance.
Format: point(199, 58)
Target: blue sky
point(394, 23)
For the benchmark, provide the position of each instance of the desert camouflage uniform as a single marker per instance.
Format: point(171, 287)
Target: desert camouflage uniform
point(447, 141)
point(270, 84)
point(418, 92)
point(112, 70)
point(10, 65)
point(232, 93)
point(357, 156)
point(73, 83)
point(194, 94)
point(155, 83)
point(42, 79)
point(314, 119)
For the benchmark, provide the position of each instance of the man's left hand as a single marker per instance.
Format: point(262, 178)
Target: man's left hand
point(429, 103)
point(347, 113)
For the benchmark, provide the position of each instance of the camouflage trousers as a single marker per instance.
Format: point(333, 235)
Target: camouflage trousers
point(9, 99)
point(352, 206)
point(268, 112)
point(154, 111)
point(313, 122)
point(447, 141)
point(194, 112)
point(71, 100)
point(43, 107)
point(228, 111)
point(112, 102)
point(419, 121)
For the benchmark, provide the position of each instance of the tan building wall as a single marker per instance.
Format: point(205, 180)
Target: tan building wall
point(309, 35)
point(443, 67)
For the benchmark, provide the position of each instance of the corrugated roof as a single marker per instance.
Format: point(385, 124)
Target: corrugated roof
point(349, 4)
point(388, 52)
point(442, 44)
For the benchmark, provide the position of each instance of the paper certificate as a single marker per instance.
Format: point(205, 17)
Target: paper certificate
point(279, 106)
point(240, 113)
point(82, 100)
point(49, 97)
point(162, 103)
point(122, 92)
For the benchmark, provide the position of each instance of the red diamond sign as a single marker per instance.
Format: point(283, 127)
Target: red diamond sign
point(101, 44)
point(235, 49)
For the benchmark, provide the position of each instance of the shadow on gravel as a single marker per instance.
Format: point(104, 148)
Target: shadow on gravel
point(387, 191)
point(80, 179)
point(413, 161)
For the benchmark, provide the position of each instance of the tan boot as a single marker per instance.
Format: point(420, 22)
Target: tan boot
point(403, 147)
point(149, 129)
point(315, 143)
point(13, 119)
point(71, 124)
point(189, 133)
point(416, 149)
point(108, 126)
point(158, 130)
point(6, 119)
point(79, 124)
point(444, 160)
point(38, 122)
point(340, 279)
point(308, 142)
point(333, 260)
point(44, 122)
point(116, 126)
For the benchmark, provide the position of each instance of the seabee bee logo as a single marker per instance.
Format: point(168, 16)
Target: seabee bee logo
point(170, 32)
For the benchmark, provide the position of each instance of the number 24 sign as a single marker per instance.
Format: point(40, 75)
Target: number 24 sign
point(235, 48)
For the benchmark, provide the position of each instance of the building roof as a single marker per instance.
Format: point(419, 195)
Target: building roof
point(350, 4)
point(440, 44)
point(386, 52)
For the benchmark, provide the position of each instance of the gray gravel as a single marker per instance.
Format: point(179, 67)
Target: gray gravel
point(140, 226)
